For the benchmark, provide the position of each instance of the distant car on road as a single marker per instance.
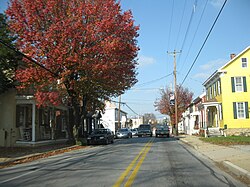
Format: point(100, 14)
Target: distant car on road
point(101, 136)
point(124, 133)
point(162, 130)
point(134, 132)
point(145, 130)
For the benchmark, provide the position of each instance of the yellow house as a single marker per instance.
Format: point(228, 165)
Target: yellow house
point(228, 96)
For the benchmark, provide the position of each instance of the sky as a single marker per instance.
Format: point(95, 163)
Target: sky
point(181, 25)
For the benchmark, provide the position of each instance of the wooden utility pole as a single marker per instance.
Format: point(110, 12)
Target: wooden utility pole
point(175, 90)
point(119, 113)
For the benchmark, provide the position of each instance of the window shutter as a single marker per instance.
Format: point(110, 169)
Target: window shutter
point(232, 82)
point(235, 110)
point(245, 84)
point(246, 110)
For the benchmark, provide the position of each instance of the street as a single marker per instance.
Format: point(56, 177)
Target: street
point(146, 161)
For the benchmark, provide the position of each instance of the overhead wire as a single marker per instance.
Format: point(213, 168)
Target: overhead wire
point(184, 7)
point(29, 58)
point(170, 30)
point(131, 109)
point(194, 35)
point(204, 42)
point(187, 30)
point(152, 81)
point(123, 103)
point(189, 23)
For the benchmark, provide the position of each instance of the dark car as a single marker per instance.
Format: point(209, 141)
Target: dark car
point(101, 136)
point(162, 130)
point(144, 130)
point(124, 133)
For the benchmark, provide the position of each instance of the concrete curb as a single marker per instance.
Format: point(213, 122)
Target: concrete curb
point(17, 159)
point(191, 145)
point(236, 169)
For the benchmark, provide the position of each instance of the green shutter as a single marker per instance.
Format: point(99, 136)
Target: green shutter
point(232, 82)
point(245, 84)
point(246, 110)
point(235, 110)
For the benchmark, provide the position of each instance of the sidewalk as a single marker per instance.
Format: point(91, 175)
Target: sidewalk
point(236, 159)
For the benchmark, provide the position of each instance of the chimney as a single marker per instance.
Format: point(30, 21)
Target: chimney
point(232, 55)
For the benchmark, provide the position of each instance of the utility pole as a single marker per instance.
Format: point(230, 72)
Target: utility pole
point(175, 90)
point(119, 113)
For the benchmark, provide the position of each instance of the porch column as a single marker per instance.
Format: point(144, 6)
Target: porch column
point(218, 116)
point(33, 122)
point(205, 121)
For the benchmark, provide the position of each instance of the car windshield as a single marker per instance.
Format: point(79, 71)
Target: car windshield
point(162, 127)
point(100, 131)
point(144, 127)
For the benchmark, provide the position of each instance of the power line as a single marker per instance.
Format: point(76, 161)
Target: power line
point(204, 42)
point(194, 34)
point(190, 21)
point(30, 59)
point(152, 81)
point(169, 34)
point(123, 103)
point(132, 110)
point(184, 7)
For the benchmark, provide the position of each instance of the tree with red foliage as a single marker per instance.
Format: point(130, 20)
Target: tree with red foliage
point(184, 98)
point(89, 46)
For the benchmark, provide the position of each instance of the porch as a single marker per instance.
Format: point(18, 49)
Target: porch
point(39, 125)
point(213, 117)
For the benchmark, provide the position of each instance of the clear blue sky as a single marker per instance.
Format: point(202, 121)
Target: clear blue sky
point(166, 25)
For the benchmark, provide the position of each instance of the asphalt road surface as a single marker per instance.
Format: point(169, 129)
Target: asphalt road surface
point(145, 162)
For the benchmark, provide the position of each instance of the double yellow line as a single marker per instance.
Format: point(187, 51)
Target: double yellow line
point(139, 160)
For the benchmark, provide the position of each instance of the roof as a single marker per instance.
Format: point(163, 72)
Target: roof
point(220, 70)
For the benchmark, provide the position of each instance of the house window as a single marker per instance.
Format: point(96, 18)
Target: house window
point(244, 62)
point(219, 90)
point(210, 94)
point(240, 110)
point(238, 84)
point(214, 90)
point(24, 115)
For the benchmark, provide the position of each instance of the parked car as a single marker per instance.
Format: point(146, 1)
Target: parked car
point(124, 133)
point(134, 132)
point(162, 130)
point(101, 136)
point(145, 130)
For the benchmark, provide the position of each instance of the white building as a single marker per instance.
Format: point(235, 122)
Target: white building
point(136, 121)
point(193, 117)
point(110, 117)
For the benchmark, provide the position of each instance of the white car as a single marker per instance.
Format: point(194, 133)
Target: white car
point(134, 132)
point(124, 133)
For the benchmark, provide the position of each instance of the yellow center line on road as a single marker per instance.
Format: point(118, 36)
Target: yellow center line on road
point(131, 165)
point(137, 167)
